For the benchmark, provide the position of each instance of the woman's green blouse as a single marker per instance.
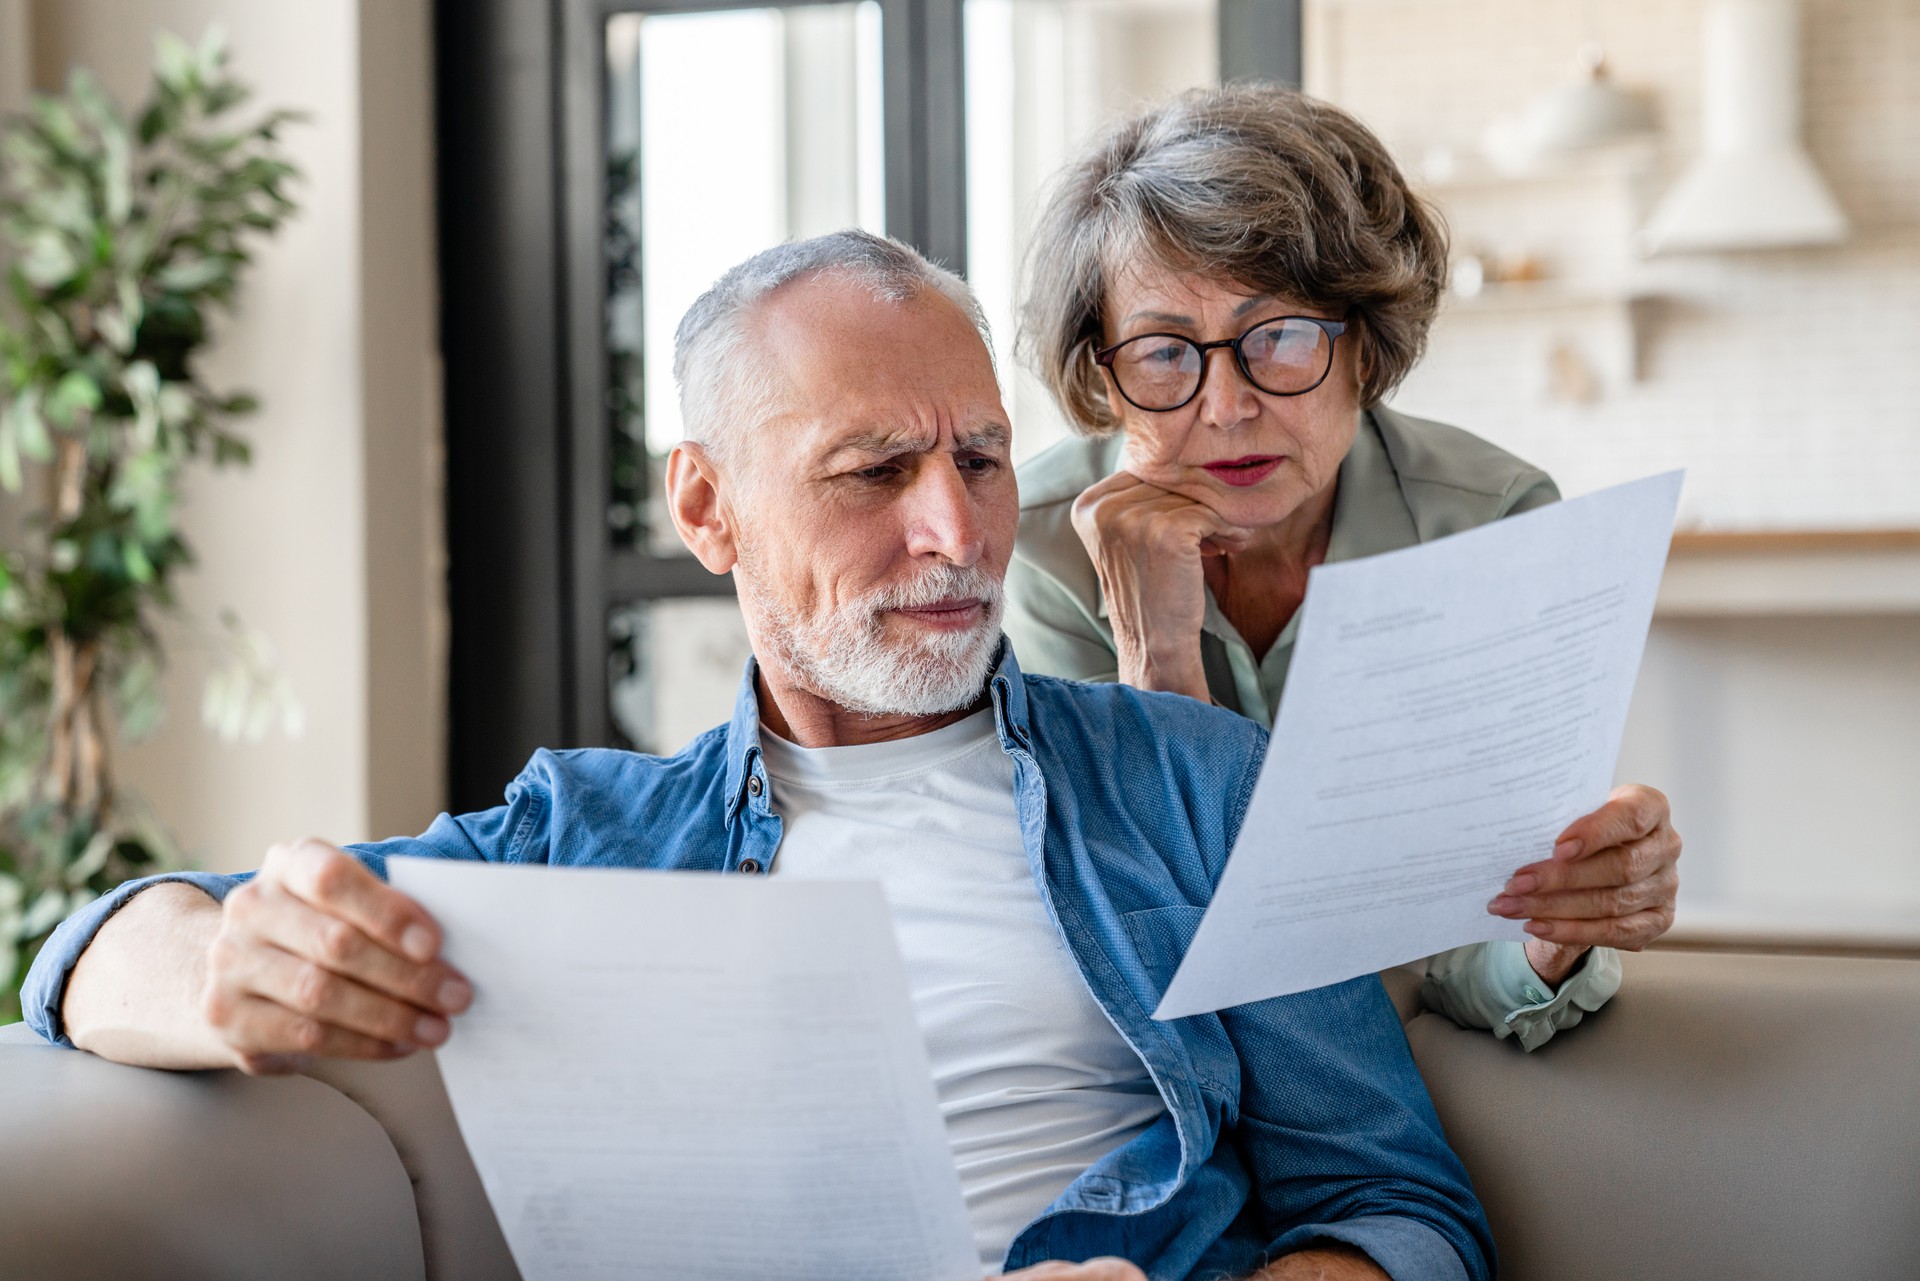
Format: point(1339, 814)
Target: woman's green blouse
point(1404, 481)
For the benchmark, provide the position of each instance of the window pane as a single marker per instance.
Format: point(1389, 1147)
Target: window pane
point(676, 665)
point(1043, 77)
point(727, 132)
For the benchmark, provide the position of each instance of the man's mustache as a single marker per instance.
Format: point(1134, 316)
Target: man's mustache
point(943, 582)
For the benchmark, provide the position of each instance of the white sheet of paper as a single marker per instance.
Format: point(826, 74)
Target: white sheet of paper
point(684, 1076)
point(1449, 709)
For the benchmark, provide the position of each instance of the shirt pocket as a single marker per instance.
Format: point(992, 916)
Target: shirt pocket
point(1160, 937)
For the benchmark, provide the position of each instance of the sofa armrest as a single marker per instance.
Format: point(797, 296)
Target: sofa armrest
point(134, 1173)
point(460, 1235)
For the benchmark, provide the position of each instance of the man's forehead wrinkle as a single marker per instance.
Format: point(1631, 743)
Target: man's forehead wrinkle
point(900, 437)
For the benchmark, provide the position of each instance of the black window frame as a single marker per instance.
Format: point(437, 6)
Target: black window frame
point(533, 576)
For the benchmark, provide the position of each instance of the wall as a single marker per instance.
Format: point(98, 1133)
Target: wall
point(329, 542)
point(1782, 381)
point(16, 80)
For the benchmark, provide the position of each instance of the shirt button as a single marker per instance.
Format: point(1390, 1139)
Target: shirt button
point(749, 865)
point(1533, 993)
point(753, 785)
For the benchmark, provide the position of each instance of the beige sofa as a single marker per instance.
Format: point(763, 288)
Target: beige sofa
point(1729, 1116)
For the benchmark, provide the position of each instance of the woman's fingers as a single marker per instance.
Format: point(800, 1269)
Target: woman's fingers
point(1628, 933)
point(1147, 544)
point(1621, 895)
point(1124, 508)
point(1657, 891)
point(1631, 812)
point(1620, 865)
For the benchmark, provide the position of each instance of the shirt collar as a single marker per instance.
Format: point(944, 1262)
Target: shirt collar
point(1370, 511)
point(1006, 686)
point(743, 739)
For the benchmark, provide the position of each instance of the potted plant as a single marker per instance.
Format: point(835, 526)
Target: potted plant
point(121, 236)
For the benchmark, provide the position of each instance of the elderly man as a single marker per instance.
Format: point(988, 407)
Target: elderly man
point(1047, 847)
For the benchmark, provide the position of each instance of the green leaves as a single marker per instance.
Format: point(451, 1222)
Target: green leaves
point(23, 431)
point(46, 260)
point(74, 394)
point(125, 235)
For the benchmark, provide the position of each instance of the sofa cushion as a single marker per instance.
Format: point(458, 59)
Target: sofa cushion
point(1737, 1116)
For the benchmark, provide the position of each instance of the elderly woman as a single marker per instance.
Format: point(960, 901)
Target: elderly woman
point(1222, 293)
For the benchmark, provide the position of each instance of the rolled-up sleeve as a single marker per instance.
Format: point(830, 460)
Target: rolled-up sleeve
point(1341, 1139)
point(512, 832)
point(1405, 1249)
point(46, 983)
point(1493, 986)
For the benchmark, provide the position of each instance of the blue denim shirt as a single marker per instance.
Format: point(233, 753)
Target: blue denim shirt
point(1287, 1121)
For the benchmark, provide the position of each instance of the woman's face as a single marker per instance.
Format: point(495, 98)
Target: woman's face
point(1252, 457)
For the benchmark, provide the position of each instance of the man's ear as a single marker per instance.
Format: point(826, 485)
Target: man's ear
point(693, 496)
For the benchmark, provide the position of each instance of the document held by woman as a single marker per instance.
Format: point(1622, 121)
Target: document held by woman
point(1449, 709)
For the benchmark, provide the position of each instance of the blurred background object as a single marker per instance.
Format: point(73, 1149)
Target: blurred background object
point(127, 234)
point(1752, 186)
point(330, 543)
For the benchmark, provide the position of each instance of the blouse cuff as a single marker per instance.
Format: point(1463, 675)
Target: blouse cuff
point(1535, 1009)
point(1492, 985)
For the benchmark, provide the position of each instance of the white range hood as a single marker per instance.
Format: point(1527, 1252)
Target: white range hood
point(1753, 186)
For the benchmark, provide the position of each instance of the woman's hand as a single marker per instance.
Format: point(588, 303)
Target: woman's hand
point(1147, 544)
point(1610, 883)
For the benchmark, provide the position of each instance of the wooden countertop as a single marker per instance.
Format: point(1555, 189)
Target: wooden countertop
point(1700, 542)
point(1763, 573)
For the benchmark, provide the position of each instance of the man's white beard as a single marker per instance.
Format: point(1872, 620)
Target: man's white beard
point(846, 657)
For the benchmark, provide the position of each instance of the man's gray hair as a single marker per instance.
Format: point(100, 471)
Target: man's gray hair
point(720, 381)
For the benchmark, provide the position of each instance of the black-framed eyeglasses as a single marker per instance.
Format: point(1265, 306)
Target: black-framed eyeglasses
point(1285, 356)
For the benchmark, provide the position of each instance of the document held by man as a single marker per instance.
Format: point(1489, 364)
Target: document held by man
point(1449, 709)
point(684, 1076)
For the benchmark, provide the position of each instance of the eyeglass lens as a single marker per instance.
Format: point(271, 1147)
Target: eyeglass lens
point(1284, 357)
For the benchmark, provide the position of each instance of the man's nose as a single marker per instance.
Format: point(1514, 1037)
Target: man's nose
point(942, 515)
point(1226, 398)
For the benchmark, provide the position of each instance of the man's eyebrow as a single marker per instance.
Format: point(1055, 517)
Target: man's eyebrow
point(991, 436)
point(915, 441)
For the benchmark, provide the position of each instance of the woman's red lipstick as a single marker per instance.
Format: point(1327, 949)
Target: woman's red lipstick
point(1241, 472)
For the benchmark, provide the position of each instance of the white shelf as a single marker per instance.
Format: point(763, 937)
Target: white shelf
point(1864, 573)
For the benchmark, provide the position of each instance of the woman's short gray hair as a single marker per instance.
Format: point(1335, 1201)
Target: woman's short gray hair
point(1263, 187)
point(720, 382)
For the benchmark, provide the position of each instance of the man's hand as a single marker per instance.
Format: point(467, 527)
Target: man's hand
point(1091, 1270)
point(1325, 1262)
point(316, 956)
point(1610, 883)
point(1147, 544)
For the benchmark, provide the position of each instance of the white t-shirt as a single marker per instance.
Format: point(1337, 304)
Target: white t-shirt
point(1034, 1081)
